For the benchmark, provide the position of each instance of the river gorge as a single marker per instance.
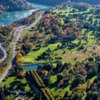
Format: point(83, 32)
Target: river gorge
point(8, 18)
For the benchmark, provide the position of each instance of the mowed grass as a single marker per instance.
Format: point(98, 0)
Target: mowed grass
point(8, 81)
point(56, 91)
point(11, 79)
point(61, 91)
point(30, 58)
point(26, 31)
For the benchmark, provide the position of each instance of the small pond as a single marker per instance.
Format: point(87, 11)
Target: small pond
point(32, 67)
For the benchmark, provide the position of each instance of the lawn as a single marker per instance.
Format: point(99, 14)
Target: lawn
point(8, 81)
point(59, 91)
point(11, 79)
point(30, 58)
point(25, 32)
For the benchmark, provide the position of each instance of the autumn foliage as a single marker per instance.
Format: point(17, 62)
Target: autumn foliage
point(19, 58)
point(53, 24)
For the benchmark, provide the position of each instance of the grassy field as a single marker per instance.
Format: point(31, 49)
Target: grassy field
point(65, 54)
point(68, 55)
point(30, 58)
point(14, 80)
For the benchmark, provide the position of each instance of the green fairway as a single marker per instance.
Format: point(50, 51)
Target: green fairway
point(30, 58)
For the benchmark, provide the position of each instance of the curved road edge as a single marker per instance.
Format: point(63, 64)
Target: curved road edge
point(5, 54)
point(17, 34)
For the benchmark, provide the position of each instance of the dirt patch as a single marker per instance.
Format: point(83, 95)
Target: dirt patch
point(80, 55)
point(75, 56)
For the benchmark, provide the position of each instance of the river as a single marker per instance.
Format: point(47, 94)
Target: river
point(7, 18)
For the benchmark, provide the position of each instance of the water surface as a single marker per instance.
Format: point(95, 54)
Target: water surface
point(32, 67)
point(8, 18)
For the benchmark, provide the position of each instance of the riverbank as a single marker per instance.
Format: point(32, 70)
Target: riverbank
point(8, 71)
point(17, 33)
point(7, 18)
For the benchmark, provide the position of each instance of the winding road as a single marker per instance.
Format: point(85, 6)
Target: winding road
point(4, 53)
point(16, 35)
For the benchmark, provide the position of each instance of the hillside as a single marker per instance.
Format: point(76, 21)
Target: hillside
point(77, 27)
point(55, 2)
point(14, 5)
point(1, 9)
point(4, 33)
point(66, 40)
point(63, 49)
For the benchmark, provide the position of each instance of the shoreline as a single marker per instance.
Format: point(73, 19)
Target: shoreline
point(33, 10)
point(36, 9)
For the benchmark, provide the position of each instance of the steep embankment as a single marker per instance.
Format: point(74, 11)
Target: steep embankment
point(1, 8)
point(14, 5)
point(55, 2)
point(4, 54)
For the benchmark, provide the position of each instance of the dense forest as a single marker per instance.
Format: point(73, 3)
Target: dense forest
point(5, 33)
point(14, 5)
point(64, 47)
point(67, 43)
point(55, 2)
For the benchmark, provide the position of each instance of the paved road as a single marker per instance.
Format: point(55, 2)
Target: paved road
point(16, 35)
point(35, 22)
point(4, 52)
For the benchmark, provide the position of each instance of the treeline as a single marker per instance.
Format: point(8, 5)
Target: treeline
point(5, 33)
point(52, 24)
point(55, 2)
point(35, 78)
point(83, 78)
point(10, 5)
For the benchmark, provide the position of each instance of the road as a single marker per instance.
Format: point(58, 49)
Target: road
point(4, 52)
point(35, 22)
point(16, 35)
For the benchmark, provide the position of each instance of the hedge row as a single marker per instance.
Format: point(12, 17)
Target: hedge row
point(35, 78)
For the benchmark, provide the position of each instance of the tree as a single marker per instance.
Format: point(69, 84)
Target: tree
point(77, 95)
point(79, 79)
point(19, 59)
point(92, 72)
point(59, 67)
point(2, 96)
point(92, 95)
point(59, 77)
